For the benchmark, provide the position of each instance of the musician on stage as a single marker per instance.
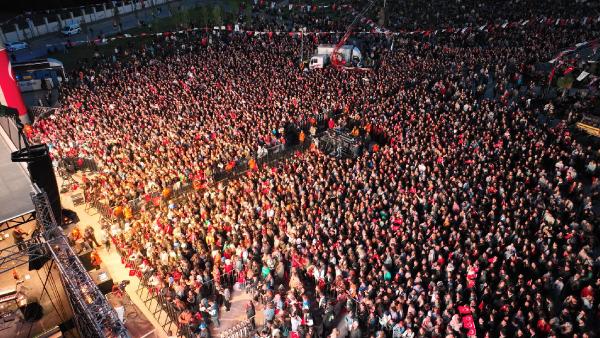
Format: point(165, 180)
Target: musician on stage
point(19, 237)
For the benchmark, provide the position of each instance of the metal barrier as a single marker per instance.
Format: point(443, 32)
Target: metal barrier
point(176, 194)
point(271, 156)
point(40, 112)
point(244, 329)
point(160, 305)
point(93, 201)
point(80, 163)
point(163, 308)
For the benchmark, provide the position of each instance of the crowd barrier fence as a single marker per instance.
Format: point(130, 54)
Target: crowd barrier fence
point(161, 306)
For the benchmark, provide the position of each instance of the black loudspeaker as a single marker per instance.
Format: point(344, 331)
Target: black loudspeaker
point(103, 280)
point(40, 168)
point(37, 258)
point(32, 312)
point(86, 260)
point(106, 286)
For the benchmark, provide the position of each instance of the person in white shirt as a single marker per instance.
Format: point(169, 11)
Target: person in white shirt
point(296, 321)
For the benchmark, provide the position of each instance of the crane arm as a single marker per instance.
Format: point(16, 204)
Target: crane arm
point(337, 59)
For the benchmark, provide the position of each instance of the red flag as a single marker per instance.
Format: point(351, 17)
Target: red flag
point(10, 95)
point(551, 75)
point(568, 70)
point(187, 89)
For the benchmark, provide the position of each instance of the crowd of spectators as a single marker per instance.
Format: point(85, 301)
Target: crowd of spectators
point(469, 199)
point(436, 14)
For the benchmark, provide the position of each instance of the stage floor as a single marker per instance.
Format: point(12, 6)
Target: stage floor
point(54, 302)
point(15, 185)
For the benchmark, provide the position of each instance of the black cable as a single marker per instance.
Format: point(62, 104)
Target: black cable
point(44, 290)
point(61, 312)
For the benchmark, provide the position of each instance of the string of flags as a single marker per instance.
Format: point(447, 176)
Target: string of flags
point(229, 28)
point(305, 7)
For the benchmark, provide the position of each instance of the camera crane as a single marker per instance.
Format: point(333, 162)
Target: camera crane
point(336, 58)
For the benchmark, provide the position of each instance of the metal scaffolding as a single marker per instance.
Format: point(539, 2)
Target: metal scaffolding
point(92, 313)
point(13, 257)
point(16, 221)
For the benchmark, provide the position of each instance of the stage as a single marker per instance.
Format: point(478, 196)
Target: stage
point(14, 184)
point(28, 285)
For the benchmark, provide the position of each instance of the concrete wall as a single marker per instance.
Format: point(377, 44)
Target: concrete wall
point(26, 32)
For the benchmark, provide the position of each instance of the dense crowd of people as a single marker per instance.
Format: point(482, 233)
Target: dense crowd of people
point(465, 207)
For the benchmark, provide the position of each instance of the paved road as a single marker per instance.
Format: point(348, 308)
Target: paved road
point(39, 46)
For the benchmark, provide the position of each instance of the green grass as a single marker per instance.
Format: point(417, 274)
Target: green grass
point(83, 53)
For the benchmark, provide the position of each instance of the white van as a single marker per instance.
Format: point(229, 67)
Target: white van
point(71, 29)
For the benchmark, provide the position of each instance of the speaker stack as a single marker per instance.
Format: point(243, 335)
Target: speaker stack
point(41, 171)
point(38, 256)
point(103, 280)
point(100, 276)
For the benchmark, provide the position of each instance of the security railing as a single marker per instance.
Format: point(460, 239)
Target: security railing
point(73, 164)
point(243, 329)
point(160, 305)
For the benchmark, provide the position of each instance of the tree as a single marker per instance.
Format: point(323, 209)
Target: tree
point(183, 18)
point(248, 14)
point(204, 16)
point(216, 15)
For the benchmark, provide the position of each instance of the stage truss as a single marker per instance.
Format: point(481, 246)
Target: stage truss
point(92, 313)
point(16, 221)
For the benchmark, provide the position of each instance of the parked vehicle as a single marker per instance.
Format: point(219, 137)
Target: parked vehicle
point(71, 29)
point(349, 54)
point(16, 45)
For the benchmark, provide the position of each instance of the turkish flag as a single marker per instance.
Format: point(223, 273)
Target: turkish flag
point(568, 70)
point(551, 75)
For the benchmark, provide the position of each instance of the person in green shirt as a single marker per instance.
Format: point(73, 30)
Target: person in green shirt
point(265, 271)
point(387, 275)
